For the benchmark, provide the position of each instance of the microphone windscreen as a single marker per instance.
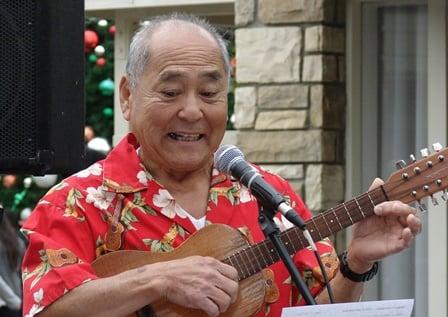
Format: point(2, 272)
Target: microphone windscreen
point(225, 156)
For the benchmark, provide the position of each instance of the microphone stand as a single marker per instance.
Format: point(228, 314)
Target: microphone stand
point(271, 231)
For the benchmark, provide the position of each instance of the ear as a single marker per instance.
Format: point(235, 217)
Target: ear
point(125, 98)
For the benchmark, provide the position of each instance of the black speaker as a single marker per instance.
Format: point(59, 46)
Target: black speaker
point(42, 110)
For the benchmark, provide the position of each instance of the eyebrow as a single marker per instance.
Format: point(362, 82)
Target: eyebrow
point(214, 75)
point(171, 75)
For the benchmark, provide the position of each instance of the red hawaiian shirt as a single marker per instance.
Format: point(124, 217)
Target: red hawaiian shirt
point(71, 226)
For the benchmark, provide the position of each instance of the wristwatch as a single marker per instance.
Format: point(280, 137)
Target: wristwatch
point(353, 276)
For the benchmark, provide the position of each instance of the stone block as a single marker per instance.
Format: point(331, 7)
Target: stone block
point(282, 96)
point(320, 68)
point(297, 186)
point(297, 146)
point(327, 106)
point(245, 107)
point(268, 55)
point(326, 39)
point(244, 12)
point(295, 11)
point(324, 186)
point(281, 120)
point(287, 171)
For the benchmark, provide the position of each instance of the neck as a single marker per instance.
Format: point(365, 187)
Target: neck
point(254, 258)
point(177, 180)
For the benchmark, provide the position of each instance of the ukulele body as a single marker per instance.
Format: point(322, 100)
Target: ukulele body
point(218, 241)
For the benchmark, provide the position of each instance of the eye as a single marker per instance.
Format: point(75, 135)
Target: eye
point(170, 93)
point(208, 94)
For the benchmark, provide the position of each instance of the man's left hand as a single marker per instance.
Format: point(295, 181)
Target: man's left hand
point(389, 231)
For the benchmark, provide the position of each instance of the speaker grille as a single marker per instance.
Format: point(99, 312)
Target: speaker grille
point(18, 62)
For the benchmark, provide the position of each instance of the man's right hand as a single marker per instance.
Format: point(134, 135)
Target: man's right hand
point(199, 282)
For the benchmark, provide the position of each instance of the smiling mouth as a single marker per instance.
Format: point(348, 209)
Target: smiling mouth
point(185, 137)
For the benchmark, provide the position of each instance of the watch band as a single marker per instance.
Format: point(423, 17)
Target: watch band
point(353, 276)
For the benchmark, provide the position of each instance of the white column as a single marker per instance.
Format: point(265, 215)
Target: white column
point(122, 41)
point(437, 132)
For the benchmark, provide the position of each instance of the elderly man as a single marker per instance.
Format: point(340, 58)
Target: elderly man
point(158, 186)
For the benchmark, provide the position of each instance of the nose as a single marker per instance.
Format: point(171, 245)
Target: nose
point(191, 108)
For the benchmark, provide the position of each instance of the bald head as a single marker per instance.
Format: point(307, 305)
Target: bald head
point(157, 31)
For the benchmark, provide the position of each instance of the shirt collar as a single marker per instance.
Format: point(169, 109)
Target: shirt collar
point(122, 169)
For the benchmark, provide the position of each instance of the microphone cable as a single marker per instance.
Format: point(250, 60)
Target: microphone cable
point(325, 276)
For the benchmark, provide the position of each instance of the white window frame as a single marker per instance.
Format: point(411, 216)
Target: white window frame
point(436, 132)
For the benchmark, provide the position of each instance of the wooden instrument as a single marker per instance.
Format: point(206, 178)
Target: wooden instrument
point(410, 184)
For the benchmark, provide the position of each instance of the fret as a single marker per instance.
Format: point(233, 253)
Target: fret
point(256, 259)
point(238, 253)
point(337, 218)
point(316, 229)
point(325, 220)
point(258, 246)
point(288, 244)
point(236, 265)
point(370, 198)
point(273, 252)
point(299, 237)
point(349, 216)
point(231, 263)
point(265, 243)
point(249, 261)
point(359, 207)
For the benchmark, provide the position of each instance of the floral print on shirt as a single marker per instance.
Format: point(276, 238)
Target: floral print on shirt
point(111, 206)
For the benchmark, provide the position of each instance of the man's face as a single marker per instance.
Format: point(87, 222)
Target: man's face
point(178, 110)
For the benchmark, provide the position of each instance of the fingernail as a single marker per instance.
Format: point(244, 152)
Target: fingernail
point(378, 210)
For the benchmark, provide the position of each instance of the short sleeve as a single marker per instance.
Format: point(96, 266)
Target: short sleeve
point(58, 256)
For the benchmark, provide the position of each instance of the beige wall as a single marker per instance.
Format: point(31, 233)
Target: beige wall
point(290, 100)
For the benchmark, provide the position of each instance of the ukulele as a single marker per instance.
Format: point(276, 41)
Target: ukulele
point(409, 184)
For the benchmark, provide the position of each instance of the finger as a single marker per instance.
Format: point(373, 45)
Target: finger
point(220, 298)
point(377, 182)
point(406, 237)
point(228, 271)
point(209, 307)
point(414, 223)
point(393, 208)
point(230, 287)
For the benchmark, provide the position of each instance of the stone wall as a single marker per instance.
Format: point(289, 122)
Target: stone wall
point(290, 95)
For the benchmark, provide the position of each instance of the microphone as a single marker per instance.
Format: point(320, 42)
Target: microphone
point(230, 160)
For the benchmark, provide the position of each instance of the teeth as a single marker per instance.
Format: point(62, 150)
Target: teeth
point(185, 137)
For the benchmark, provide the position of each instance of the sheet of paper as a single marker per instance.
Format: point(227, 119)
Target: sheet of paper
point(384, 308)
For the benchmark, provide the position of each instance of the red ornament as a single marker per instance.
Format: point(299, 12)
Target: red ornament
point(9, 181)
point(100, 62)
point(112, 30)
point(90, 40)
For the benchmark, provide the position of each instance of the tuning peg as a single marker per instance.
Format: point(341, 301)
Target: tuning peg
point(434, 201)
point(413, 159)
point(400, 164)
point(421, 206)
point(424, 152)
point(445, 195)
point(437, 147)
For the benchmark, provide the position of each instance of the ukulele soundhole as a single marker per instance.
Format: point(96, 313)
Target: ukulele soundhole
point(146, 311)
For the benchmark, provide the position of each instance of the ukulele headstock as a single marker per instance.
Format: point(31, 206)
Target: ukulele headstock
point(420, 179)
